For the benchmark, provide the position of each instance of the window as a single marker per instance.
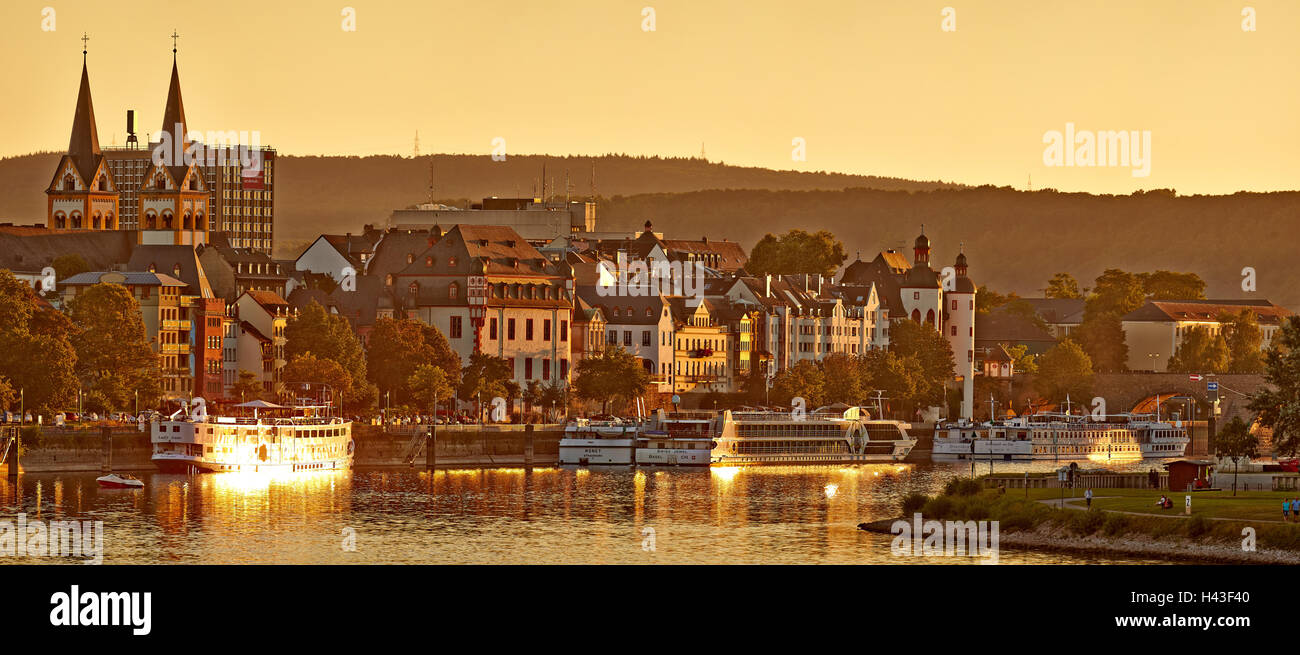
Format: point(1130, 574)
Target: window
point(453, 291)
point(546, 330)
point(528, 368)
point(954, 304)
point(455, 327)
point(528, 329)
point(954, 330)
point(613, 337)
point(564, 330)
point(492, 328)
point(510, 329)
point(916, 295)
point(546, 369)
point(627, 338)
point(645, 337)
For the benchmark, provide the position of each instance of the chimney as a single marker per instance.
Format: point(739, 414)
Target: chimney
point(767, 293)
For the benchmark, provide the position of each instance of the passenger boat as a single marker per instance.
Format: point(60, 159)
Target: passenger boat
point(599, 442)
point(1058, 436)
point(300, 437)
point(839, 434)
point(679, 439)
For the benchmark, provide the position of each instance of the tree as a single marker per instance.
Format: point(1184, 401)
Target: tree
point(428, 385)
point(1063, 285)
point(66, 266)
point(113, 353)
point(1115, 292)
point(988, 300)
point(1243, 336)
point(37, 356)
point(398, 346)
point(1236, 440)
point(932, 352)
point(843, 379)
point(1063, 371)
point(613, 374)
point(895, 377)
point(1102, 337)
point(796, 252)
point(484, 378)
point(1168, 285)
point(1021, 360)
point(247, 387)
point(803, 380)
point(330, 337)
point(1278, 403)
point(1200, 352)
point(308, 369)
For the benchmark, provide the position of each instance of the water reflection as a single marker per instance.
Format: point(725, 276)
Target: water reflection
point(547, 515)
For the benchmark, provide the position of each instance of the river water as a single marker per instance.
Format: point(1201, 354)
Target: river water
point(756, 515)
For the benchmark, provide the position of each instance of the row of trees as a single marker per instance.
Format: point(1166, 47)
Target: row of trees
point(98, 346)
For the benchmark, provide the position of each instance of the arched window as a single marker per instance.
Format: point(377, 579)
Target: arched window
point(410, 257)
point(94, 221)
point(929, 317)
point(69, 182)
point(413, 288)
point(388, 280)
point(187, 222)
point(76, 221)
point(453, 291)
point(649, 312)
point(451, 262)
point(167, 221)
point(103, 184)
point(615, 312)
point(199, 222)
point(160, 181)
point(916, 315)
point(110, 223)
point(150, 221)
point(60, 221)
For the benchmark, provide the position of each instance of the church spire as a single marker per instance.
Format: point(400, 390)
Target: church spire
point(83, 146)
point(174, 114)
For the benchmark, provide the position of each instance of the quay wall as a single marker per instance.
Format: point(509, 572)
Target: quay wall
point(457, 445)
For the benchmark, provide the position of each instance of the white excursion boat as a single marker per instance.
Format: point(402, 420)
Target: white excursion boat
point(598, 442)
point(839, 434)
point(1057, 436)
point(679, 439)
point(119, 481)
point(302, 437)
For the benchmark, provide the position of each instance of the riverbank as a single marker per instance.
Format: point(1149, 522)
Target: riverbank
point(458, 446)
point(1038, 522)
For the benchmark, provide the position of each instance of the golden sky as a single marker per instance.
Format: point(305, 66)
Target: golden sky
point(871, 86)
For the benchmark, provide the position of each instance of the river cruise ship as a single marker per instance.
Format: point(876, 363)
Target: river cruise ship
point(1056, 436)
point(830, 435)
point(275, 438)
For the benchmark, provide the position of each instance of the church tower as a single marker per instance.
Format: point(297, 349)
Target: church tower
point(173, 193)
point(82, 195)
point(960, 331)
point(921, 292)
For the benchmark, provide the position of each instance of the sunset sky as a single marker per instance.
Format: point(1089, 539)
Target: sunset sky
point(872, 86)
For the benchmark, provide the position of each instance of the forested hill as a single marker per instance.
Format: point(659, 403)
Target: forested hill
point(1015, 240)
point(339, 194)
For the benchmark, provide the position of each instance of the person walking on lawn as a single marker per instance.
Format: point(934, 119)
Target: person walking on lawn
point(1087, 495)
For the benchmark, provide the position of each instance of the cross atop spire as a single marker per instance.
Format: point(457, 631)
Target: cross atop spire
point(84, 38)
point(174, 37)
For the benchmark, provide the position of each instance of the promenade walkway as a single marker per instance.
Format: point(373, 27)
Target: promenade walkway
point(1073, 503)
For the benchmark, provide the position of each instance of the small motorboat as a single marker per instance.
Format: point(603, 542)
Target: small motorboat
point(119, 481)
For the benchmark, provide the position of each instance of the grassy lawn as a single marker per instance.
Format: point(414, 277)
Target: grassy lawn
point(1254, 505)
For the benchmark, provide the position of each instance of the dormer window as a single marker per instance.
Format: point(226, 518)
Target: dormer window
point(451, 262)
point(410, 258)
point(453, 291)
point(414, 288)
point(428, 262)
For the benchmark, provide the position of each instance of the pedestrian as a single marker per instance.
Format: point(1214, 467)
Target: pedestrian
point(1286, 509)
point(1087, 495)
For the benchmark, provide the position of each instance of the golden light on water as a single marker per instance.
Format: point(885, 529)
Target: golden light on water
point(831, 489)
point(724, 473)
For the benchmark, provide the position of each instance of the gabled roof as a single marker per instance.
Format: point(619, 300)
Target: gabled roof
point(1003, 327)
point(885, 272)
point(1161, 311)
point(165, 259)
point(23, 248)
point(1058, 311)
point(616, 308)
point(267, 299)
point(134, 278)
